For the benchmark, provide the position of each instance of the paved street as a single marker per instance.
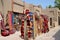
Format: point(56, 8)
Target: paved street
point(53, 34)
point(57, 35)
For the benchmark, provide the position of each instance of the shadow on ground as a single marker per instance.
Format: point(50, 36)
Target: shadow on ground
point(57, 35)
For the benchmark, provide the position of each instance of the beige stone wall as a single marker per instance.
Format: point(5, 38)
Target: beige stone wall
point(18, 1)
point(26, 6)
point(52, 13)
point(0, 6)
point(6, 7)
point(18, 7)
point(58, 13)
point(37, 10)
point(31, 7)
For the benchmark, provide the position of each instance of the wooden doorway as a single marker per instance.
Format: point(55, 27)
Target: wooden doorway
point(50, 21)
point(58, 20)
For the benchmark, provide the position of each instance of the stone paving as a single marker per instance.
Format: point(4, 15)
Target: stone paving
point(53, 34)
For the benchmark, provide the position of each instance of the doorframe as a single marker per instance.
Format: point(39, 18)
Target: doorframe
point(51, 23)
point(58, 20)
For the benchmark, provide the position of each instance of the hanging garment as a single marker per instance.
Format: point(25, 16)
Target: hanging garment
point(22, 28)
point(11, 30)
point(0, 21)
point(10, 20)
point(30, 22)
point(4, 32)
point(0, 17)
point(45, 23)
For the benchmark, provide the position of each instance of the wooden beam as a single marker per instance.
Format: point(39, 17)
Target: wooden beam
point(18, 4)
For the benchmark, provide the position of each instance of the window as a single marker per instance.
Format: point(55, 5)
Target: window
point(50, 21)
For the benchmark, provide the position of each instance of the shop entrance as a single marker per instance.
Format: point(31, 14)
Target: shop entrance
point(58, 20)
point(17, 20)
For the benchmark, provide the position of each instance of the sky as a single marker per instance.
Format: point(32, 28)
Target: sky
point(43, 3)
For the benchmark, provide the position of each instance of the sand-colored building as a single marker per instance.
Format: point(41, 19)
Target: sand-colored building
point(16, 6)
point(20, 7)
point(53, 16)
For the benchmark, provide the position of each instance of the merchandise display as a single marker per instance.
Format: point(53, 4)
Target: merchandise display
point(42, 24)
point(4, 31)
point(35, 25)
point(10, 15)
point(29, 24)
point(45, 24)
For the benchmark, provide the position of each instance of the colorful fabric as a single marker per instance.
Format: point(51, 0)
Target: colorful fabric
point(10, 20)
